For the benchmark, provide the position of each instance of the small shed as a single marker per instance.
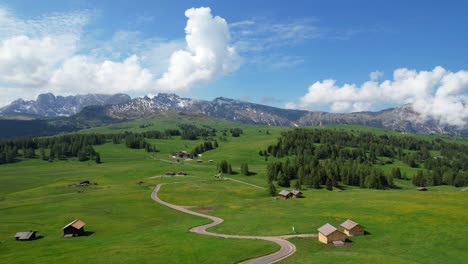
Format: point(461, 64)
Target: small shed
point(285, 194)
point(328, 234)
point(422, 189)
point(75, 228)
point(25, 236)
point(352, 228)
point(296, 193)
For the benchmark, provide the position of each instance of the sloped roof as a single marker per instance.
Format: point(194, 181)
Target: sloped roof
point(285, 193)
point(76, 224)
point(327, 229)
point(24, 235)
point(349, 224)
point(296, 192)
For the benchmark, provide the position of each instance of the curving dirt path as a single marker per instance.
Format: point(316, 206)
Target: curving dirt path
point(286, 248)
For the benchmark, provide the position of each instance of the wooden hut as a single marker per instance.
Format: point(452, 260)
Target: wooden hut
point(25, 236)
point(328, 233)
point(75, 228)
point(297, 194)
point(285, 194)
point(352, 228)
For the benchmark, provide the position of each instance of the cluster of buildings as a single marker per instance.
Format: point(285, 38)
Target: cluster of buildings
point(329, 234)
point(288, 194)
point(73, 229)
point(171, 173)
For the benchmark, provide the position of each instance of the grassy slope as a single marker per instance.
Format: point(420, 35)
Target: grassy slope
point(406, 226)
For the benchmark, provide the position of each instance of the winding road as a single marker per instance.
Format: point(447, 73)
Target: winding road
point(286, 248)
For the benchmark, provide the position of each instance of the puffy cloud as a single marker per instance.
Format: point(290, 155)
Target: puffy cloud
point(48, 54)
point(80, 73)
point(30, 61)
point(374, 76)
point(207, 54)
point(438, 94)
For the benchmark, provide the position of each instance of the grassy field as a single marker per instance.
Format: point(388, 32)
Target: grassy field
point(405, 226)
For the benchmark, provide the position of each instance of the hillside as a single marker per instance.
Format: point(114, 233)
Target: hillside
point(119, 108)
point(127, 226)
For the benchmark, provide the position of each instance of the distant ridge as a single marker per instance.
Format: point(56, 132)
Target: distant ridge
point(48, 105)
point(403, 118)
point(95, 109)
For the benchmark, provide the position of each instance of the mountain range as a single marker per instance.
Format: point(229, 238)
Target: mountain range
point(48, 105)
point(120, 107)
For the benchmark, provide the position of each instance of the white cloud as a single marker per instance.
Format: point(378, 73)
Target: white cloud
point(80, 73)
point(48, 54)
point(438, 94)
point(376, 75)
point(206, 56)
point(28, 61)
point(261, 34)
point(290, 105)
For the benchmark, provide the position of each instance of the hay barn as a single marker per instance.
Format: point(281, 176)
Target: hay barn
point(75, 228)
point(328, 234)
point(352, 228)
point(25, 236)
point(297, 194)
point(285, 194)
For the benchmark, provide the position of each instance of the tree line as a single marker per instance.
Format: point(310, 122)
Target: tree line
point(59, 147)
point(329, 157)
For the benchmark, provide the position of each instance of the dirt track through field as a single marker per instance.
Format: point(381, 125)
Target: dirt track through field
point(286, 248)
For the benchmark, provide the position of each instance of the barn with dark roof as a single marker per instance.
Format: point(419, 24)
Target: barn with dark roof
point(25, 236)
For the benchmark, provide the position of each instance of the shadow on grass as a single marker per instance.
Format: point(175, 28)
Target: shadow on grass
point(87, 233)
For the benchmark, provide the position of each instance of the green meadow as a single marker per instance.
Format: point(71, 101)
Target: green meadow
point(404, 225)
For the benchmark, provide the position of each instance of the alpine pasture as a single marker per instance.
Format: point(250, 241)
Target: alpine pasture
point(126, 226)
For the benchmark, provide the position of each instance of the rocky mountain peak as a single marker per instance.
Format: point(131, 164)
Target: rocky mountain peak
point(49, 105)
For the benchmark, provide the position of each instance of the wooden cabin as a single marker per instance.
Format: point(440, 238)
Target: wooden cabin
point(285, 194)
point(328, 233)
point(25, 236)
point(296, 193)
point(352, 228)
point(75, 228)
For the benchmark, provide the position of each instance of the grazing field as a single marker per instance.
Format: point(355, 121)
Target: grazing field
point(405, 226)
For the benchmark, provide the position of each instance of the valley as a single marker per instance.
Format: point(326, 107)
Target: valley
point(404, 225)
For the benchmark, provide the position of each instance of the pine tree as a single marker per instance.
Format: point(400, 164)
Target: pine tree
point(98, 158)
point(329, 184)
point(283, 180)
point(272, 189)
point(297, 185)
point(43, 155)
point(245, 169)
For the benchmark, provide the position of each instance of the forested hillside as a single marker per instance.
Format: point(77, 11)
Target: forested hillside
point(332, 157)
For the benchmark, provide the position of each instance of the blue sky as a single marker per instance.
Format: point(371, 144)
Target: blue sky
point(276, 52)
